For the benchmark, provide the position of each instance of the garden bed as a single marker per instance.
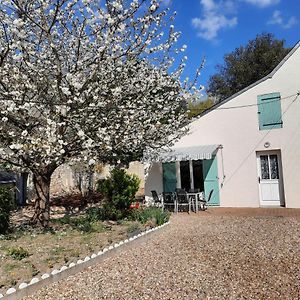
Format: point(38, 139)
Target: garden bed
point(28, 251)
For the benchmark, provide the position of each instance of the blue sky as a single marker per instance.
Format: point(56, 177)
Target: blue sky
point(212, 28)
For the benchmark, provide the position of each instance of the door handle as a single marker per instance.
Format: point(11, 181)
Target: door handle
point(258, 179)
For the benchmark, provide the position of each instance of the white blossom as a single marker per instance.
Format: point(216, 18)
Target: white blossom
point(88, 81)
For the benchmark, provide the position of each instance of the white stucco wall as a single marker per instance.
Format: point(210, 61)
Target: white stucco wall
point(237, 129)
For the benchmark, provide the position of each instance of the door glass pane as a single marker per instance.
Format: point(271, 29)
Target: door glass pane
point(274, 167)
point(185, 175)
point(264, 164)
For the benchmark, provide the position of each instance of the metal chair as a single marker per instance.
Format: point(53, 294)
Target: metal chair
point(158, 199)
point(204, 202)
point(169, 201)
point(182, 199)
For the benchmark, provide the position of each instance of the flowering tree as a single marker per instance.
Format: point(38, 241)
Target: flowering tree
point(83, 79)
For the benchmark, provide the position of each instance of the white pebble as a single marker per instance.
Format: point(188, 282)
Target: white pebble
point(46, 275)
point(94, 255)
point(71, 265)
point(34, 280)
point(54, 272)
point(63, 268)
point(100, 252)
point(79, 262)
point(10, 291)
point(23, 285)
point(110, 247)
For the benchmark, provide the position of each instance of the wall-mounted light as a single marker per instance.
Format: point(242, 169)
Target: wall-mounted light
point(267, 144)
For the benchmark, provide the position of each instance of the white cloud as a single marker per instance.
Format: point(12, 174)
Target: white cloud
point(214, 18)
point(263, 3)
point(277, 19)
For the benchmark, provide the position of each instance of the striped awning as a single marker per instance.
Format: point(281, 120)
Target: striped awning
point(189, 153)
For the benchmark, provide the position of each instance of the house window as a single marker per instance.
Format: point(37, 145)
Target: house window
point(269, 111)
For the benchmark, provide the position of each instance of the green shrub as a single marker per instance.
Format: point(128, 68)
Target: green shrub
point(107, 212)
point(17, 253)
point(119, 191)
point(94, 214)
point(6, 205)
point(82, 223)
point(143, 215)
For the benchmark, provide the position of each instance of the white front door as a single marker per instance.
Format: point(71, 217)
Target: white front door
point(269, 179)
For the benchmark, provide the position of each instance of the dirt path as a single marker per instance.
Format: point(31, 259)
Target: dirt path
point(218, 254)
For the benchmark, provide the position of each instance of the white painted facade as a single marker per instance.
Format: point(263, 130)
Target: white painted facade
point(234, 124)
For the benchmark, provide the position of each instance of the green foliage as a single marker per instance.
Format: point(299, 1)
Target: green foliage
point(196, 108)
point(6, 205)
point(119, 191)
point(81, 223)
point(17, 253)
point(86, 224)
point(245, 65)
point(107, 212)
point(144, 215)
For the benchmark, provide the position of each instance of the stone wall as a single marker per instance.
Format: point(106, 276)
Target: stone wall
point(67, 179)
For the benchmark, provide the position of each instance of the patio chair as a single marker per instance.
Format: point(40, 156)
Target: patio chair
point(169, 201)
point(204, 202)
point(158, 199)
point(182, 200)
point(193, 199)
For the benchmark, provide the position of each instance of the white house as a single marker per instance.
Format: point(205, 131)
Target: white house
point(246, 148)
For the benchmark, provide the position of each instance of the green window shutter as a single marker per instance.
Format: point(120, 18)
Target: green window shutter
point(211, 179)
point(169, 177)
point(269, 111)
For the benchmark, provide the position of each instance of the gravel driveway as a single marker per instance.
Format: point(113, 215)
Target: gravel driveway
point(218, 254)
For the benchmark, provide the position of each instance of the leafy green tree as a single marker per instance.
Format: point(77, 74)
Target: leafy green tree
point(245, 65)
point(196, 108)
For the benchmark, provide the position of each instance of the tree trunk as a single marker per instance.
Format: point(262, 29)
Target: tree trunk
point(41, 184)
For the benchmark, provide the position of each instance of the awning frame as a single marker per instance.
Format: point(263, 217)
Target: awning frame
point(189, 153)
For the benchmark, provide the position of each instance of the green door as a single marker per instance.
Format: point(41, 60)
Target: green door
point(211, 180)
point(169, 176)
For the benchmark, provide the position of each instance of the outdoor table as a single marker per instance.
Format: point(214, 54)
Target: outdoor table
point(197, 196)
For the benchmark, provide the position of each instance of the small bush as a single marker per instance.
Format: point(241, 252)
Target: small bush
point(6, 205)
point(119, 191)
point(17, 253)
point(144, 215)
point(107, 212)
point(94, 214)
point(78, 223)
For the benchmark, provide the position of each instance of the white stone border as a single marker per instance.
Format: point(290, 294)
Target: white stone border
point(25, 289)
